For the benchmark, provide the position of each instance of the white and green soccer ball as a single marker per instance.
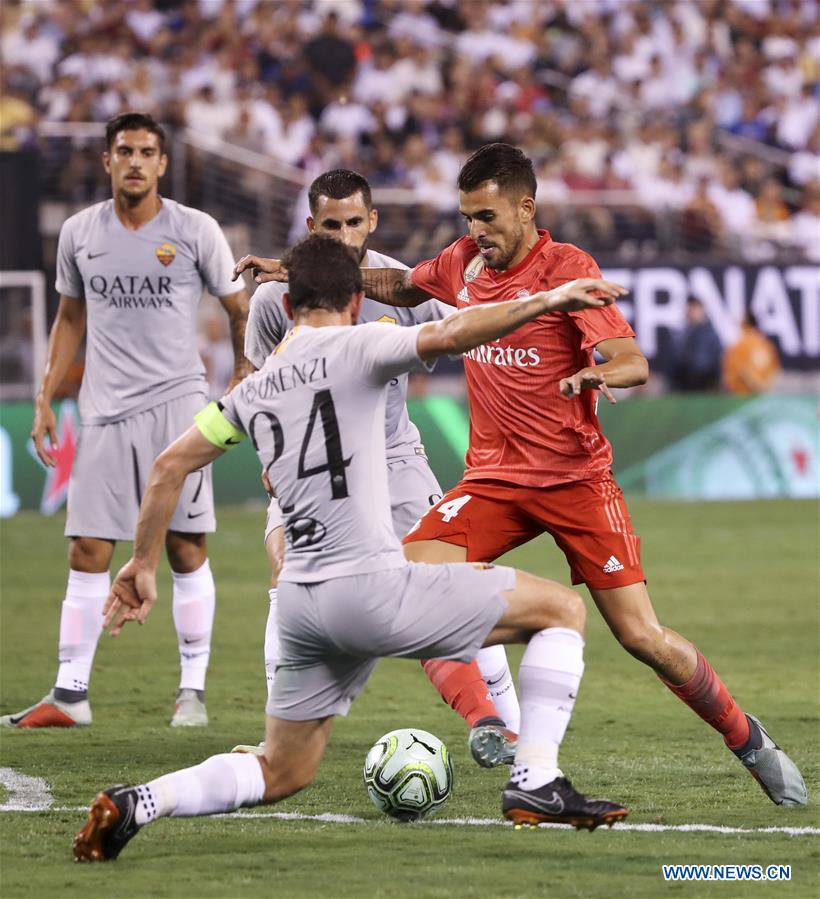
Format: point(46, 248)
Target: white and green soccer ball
point(408, 774)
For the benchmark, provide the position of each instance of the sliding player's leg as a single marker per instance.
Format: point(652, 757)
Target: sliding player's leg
point(549, 618)
point(66, 704)
point(222, 783)
point(451, 611)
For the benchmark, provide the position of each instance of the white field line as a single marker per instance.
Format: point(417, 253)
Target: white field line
point(333, 818)
point(24, 793)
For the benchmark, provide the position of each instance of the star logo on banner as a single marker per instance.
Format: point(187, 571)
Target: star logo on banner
point(55, 489)
point(801, 460)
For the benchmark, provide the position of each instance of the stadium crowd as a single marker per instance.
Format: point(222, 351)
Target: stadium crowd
point(686, 125)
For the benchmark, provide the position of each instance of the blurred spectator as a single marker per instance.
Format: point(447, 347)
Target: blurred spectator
point(207, 114)
point(701, 224)
point(734, 205)
point(330, 56)
point(17, 116)
point(696, 352)
point(804, 165)
point(805, 226)
point(752, 363)
point(771, 212)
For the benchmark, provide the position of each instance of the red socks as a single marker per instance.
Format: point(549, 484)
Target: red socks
point(707, 696)
point(462, 687)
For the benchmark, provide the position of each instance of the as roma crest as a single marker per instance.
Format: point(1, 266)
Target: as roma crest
point(166, 253)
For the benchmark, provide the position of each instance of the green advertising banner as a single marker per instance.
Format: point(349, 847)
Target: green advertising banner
point(684, 447)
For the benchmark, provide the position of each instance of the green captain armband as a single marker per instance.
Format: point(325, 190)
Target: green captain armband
point(216, 429)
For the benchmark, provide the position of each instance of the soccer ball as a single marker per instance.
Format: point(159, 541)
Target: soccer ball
point(408, 774)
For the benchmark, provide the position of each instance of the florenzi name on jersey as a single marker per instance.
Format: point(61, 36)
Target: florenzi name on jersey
point(517, 357)
point(133, 291)
point(285, 378)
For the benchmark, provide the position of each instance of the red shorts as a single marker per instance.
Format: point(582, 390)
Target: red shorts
point(587, 519)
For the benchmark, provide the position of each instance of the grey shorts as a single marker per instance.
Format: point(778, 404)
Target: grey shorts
point(332, 633)
point(413, 489)
point(111, 468)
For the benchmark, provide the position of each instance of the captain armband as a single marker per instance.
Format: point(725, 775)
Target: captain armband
point(216, 429)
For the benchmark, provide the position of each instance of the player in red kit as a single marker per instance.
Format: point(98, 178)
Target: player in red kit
point(537, 459)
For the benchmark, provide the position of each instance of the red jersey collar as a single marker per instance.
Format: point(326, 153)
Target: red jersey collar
point(543, 240)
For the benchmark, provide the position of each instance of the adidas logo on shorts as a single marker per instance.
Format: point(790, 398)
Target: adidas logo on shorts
point(612, 566)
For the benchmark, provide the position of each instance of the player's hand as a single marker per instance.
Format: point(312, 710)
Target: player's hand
point(262, 269)
point(585, 379)
point(582, 293)
point(45, 423)
point(132, 596)
point(240, 372)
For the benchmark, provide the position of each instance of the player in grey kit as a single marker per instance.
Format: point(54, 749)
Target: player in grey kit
point(130, 274)
point(341, 207)
point(315, 415)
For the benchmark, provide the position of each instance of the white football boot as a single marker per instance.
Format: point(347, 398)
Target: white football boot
point(190, 709)
point(776, 773)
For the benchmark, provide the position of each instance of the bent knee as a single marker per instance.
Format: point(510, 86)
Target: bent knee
point(186, 552)
point(644, 641)
point(281, 784)
point(574, 611)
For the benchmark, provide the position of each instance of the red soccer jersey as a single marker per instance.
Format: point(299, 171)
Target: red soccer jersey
point(521, 429)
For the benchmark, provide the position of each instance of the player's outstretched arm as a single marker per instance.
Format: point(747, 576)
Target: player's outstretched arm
point(625, 366)
point(469, 328)
point(134, 590)
point(262, 269)
point(63, 342)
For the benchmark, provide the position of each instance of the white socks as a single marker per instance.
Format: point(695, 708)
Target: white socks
point(194, 600)
point(271, 641)
point(549, 677)
point(221, 783)
point(492, 662)
point(80, 627)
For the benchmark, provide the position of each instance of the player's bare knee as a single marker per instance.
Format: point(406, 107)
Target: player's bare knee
point(282, 781)
point(89, 555)
point(186, 552)
point(643, 641)
point(570, 611)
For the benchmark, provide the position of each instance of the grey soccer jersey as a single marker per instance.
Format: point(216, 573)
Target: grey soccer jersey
point(315, 414)
point(141, 290)
point(268, 323)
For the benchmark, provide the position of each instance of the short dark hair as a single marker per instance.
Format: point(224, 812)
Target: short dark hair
point(502, 163)
point(338, 184)
point(133, 121)
point(323, 273)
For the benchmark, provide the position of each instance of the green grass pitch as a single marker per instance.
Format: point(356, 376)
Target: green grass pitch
point(739, 579)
